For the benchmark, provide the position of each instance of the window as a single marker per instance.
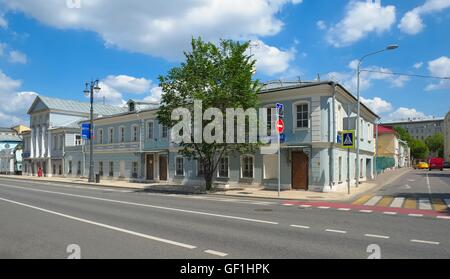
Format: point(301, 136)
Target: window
point(54, 169)
point(134, 170)
point(134, 130)
point(60, 170)
point(223, 167)
point(247, 166)
point(111, 135)
point(179, 166)
point(200, 168)
point(111, 169)
point(302, 116)
point(100, 136)
point(77, 140)
point(369, 132)
point(100, 168)
point(54, 142)
point(122, 134)
point(150, 127)
point(361, 132)
point(79, 168)
point(165, 132)
point(70, 168)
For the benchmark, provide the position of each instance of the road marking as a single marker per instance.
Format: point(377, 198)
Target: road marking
point(428, 184)
point(148, 206)
point(336, 231)
point(216, 253)
point(386, 201)
point(366, 211)
point(287, 204)
point(415, 215)
point(425, 204)
point(390, 213)
point(344, 209)
point(398, 202)
point(362, 200)
point(410, 203)
point(175, 243)
point(377, 236)
point(324, 207)
point(439, 205)
point(301, 227)
point(425, 241)
point(444, 217)
point(305, 205)
point(373, 201)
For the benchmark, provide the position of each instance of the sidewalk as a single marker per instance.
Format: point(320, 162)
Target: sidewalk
point(341, 196)
point(364, 188)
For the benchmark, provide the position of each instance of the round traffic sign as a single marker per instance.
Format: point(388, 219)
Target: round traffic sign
point(280, 126)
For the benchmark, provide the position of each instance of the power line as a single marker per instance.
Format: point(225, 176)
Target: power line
point(407, 75)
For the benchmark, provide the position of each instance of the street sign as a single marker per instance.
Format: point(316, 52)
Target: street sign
point(348, 139)
point(339, 138)
point(280, 110)
point(85, 131)
point(282, 138)
point(280, 126)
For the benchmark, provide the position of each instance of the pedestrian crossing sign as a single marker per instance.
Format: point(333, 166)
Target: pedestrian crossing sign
point(348, 139)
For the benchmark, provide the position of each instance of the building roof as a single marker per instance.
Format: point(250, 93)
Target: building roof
point(10, 138)
point(385, 130)
point(76, 106)
point(6, 130)
point(412, 121)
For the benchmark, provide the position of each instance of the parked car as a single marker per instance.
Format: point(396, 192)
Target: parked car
point(446, 165)
point(436, 164)
point(421, 166)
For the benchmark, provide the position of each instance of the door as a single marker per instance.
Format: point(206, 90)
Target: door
point(300, 171)
point(162, 167)
point(150, 164)
point(122, 169)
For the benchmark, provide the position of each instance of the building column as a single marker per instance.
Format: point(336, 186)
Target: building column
point(43, 149)
point(37, 145)
point(32, 143)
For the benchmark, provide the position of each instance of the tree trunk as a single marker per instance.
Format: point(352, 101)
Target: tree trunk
point(208, 181)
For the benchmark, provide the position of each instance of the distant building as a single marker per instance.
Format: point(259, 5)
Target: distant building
point(420, 129)
point(391, 146)
point(9, 142)
point(447, 137)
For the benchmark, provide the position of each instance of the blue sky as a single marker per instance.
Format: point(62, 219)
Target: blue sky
point(52, 47)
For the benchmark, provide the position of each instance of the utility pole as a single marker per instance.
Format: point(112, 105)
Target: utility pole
point(89, 91)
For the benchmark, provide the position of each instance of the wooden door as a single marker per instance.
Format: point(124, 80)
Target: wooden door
point(163, 167)
point(150, 165)
point(300, 171)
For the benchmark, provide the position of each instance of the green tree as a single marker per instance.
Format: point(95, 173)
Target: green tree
point(435, 143)
point(419, 150)
point(221, 76)
point(404, 135)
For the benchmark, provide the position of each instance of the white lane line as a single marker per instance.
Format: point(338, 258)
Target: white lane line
point(344, 209)
point(373, 201)
point(425, 242)
point(415, 215)
point(301, 227)
point(336, 231)
point(305, 205)
point(324, 207)
point(398, 202)
point(377, 236)
point(425, 204)
point(390, 213)
point(428, 184)
point(443, 217)
point(175, 243)
point(216, 253)
point(147, 205)
point(366, 211)
point(287, 204)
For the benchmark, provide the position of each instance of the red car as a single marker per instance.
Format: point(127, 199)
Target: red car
point(436, 164)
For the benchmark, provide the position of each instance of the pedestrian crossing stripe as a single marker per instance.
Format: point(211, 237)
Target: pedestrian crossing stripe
point(437, 204)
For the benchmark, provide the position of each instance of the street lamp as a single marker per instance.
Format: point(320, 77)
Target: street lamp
point(389, 47)
point(89, 91)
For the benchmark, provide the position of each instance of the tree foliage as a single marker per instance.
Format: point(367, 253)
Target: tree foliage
point(419, 150)
point(435, 144)
point(221, 76)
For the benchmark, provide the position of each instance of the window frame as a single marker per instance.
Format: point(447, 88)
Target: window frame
point(242, 166)
point(100, 136)
point(152, 138)
point(176, 166)
point(122, 134)
point(111, 169)
point(111, 135)
point(135, 133)
point(220, 167)
point(295, 113)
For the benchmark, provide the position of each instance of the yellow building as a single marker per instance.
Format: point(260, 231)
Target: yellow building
point(390, 145)
point(20, 129)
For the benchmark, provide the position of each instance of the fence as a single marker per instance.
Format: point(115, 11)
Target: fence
point(384, 163)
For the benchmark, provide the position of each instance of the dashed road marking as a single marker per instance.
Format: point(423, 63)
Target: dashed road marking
point(398, 202)
point(415, 215)
point(390, 213)
point(425, 204)
point(336, 231)
point(425, 241)
point(377, 236)
point(444, 217)
point(305, 205)
point(344, 209)
point(373, 201)
point(324, 207)
point(216, 253)
point(366, 211)
point(301, 227)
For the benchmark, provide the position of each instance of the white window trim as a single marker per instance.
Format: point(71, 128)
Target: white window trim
point(242, 165)
point(184, 166)
point(100, 139)
point(153, 130)
point(161, 128)
point(122, 134)
point(137, 133)
point(198, 168)
point(294, 115)
point(218, 169)
point(109, 135)
point(269, 108)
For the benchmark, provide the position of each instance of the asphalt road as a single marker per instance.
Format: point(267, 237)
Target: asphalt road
point(40, 220)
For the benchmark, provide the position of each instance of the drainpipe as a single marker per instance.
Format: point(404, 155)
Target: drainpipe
point(376, 147)
point(334, 135)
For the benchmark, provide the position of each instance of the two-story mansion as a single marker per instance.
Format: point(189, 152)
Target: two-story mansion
point(133, 145)
point(55, 126)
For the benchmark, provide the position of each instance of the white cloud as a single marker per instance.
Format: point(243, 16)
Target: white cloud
point(2, 48)
point(271, 60)
point(128, 84)
point(160, 28)
point(418, 65)
point(17, 57)
point(439, 67)
point(361, 19)
point(3, 22)
point(155, 95)
point(403, 113)
point(412, 22)
point(377, 104)
point(321, 25)
point(13, 103)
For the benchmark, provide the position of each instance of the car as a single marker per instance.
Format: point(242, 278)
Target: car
point(446, 165)
point(422, 166)
point(436, 164)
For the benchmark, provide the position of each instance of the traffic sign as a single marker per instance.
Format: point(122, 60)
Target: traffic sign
point(85, 131)
point(280, 110)
point(348, 139)
point(282, 138)
point(280, 126)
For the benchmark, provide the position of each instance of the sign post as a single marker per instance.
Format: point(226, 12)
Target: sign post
point(348, 142)
point(280, 129)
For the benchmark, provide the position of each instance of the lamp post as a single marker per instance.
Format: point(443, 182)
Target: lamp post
point(89, 91)
point(358, 124)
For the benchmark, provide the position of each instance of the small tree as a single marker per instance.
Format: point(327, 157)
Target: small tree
point(435, 144)
point(221, 77)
